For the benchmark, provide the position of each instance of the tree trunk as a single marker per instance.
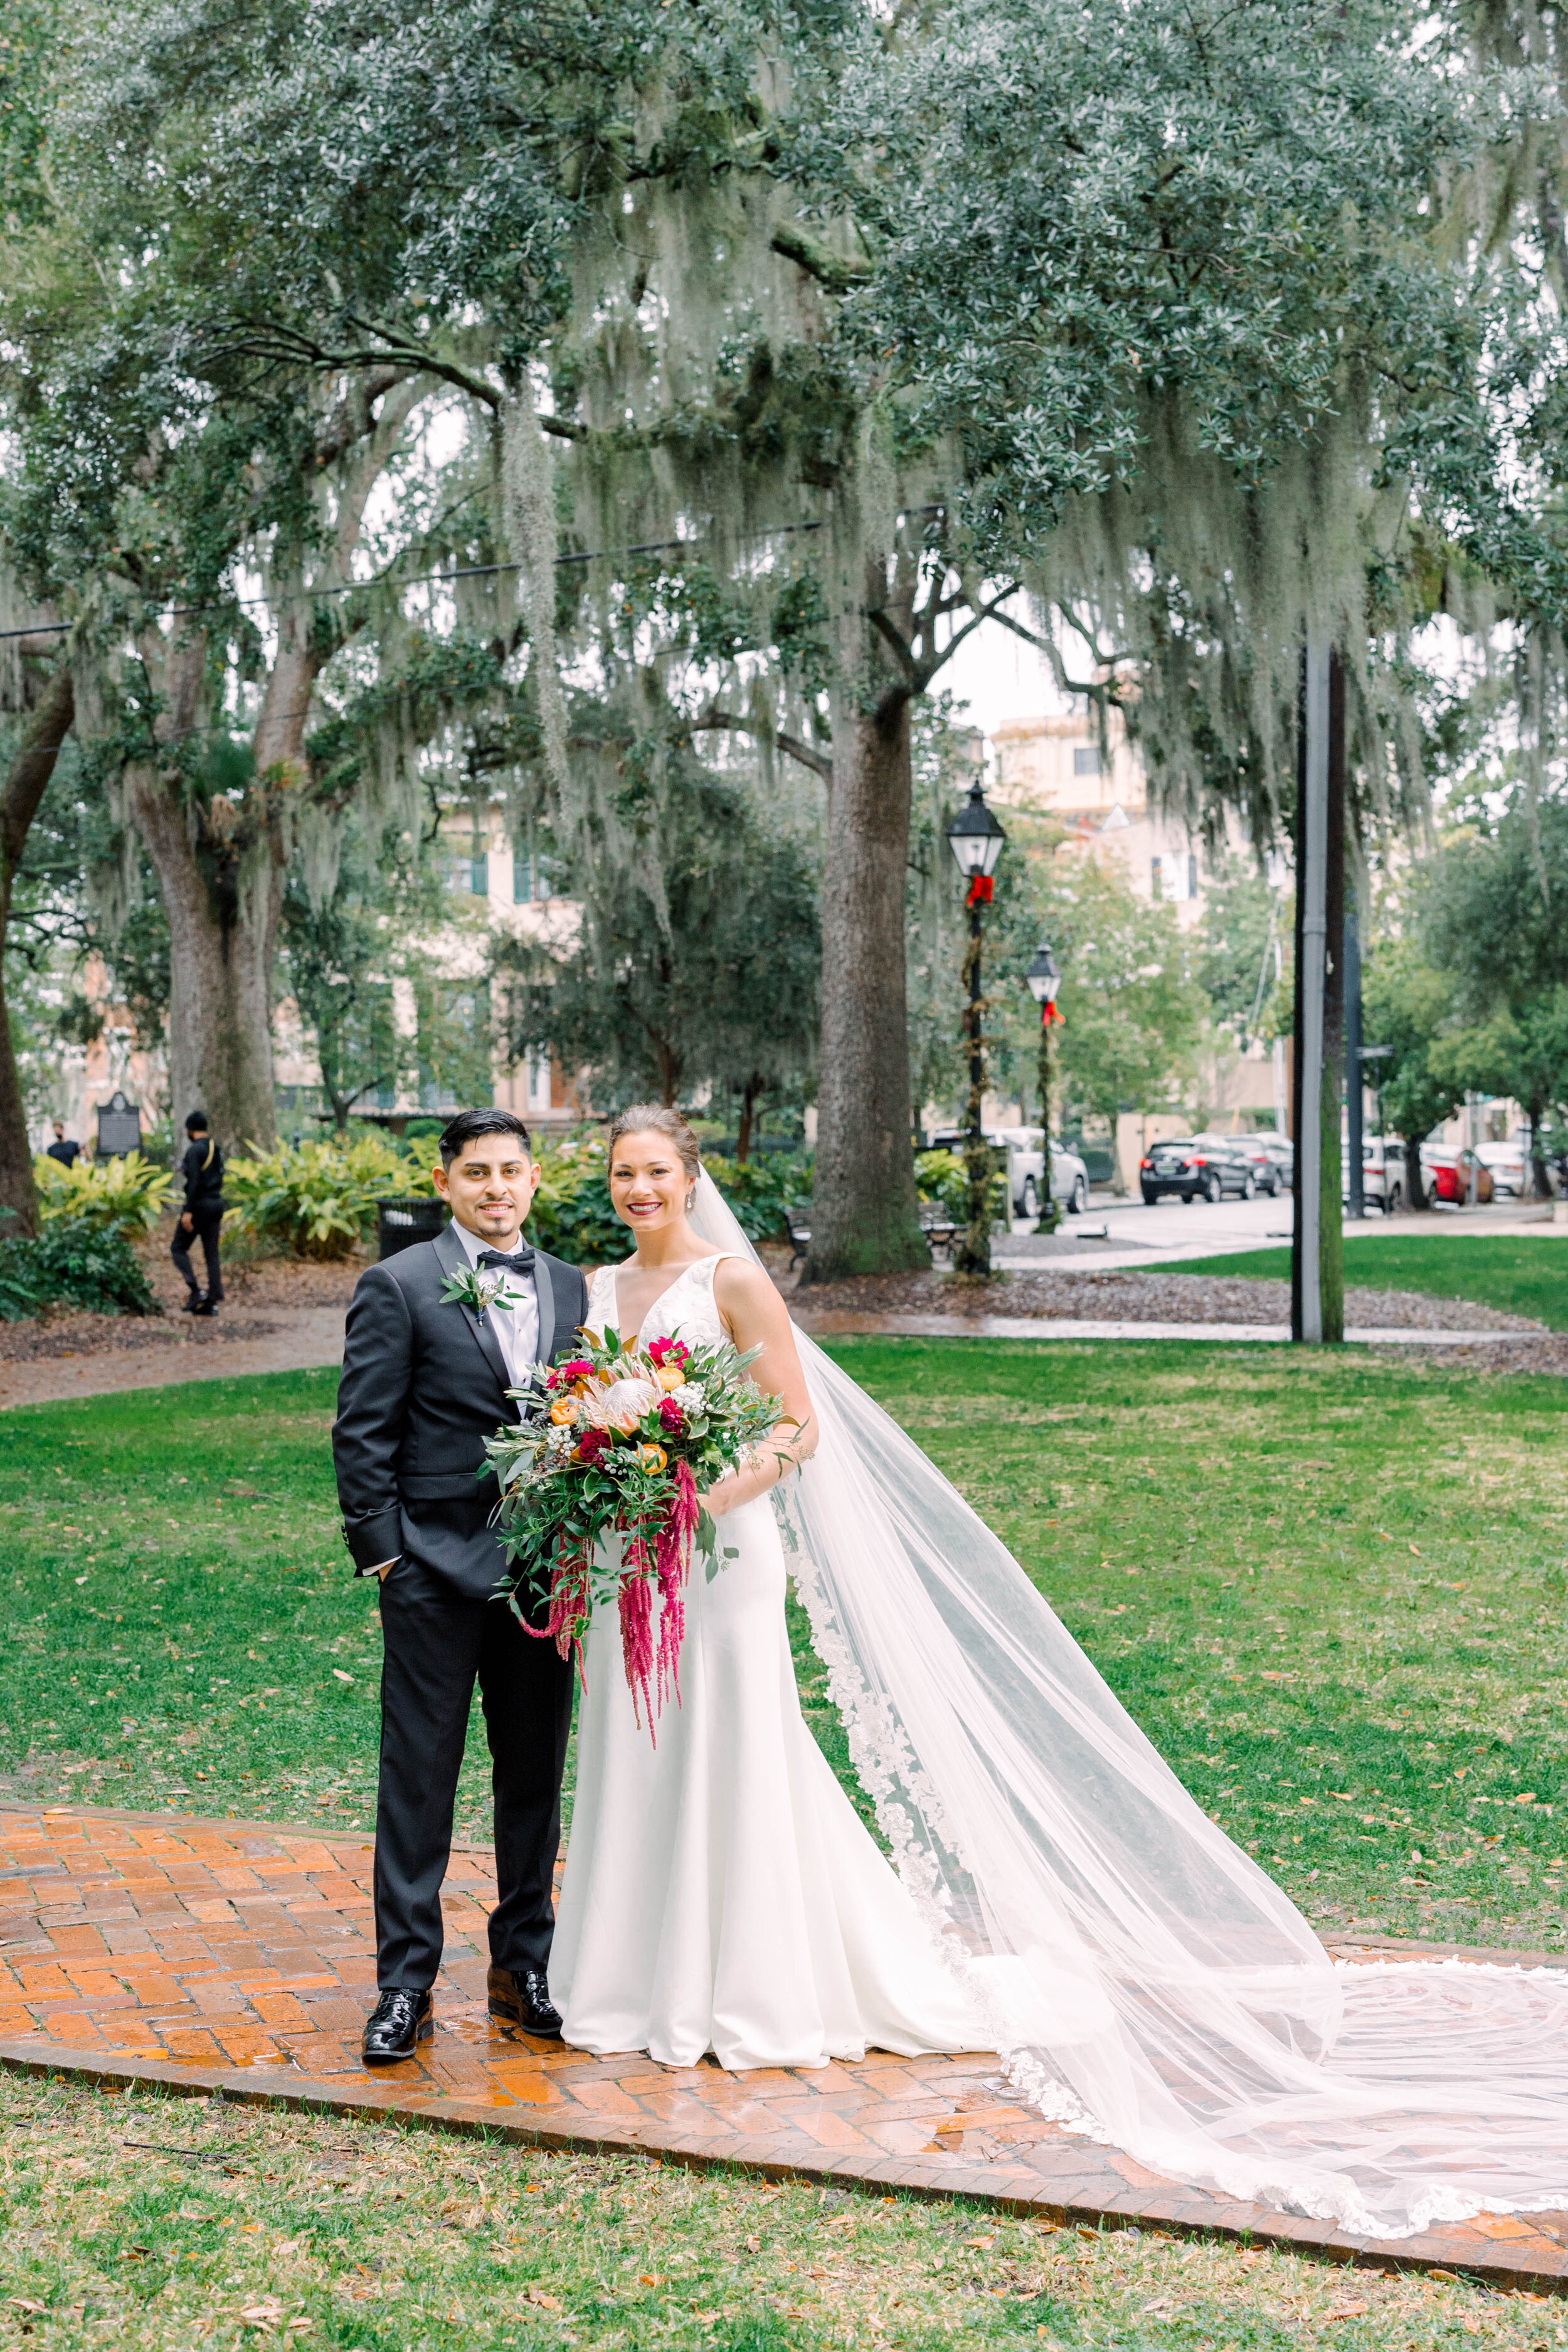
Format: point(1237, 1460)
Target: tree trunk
point(748, 1108)
point(1317, 1309)
point(1414, 1183)
point(24, 788)
point(222, 935)
point(1539, 1183)
point(865, 1216)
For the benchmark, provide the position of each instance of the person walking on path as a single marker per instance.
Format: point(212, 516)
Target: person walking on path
point(426, 1380)
point(201, 1218)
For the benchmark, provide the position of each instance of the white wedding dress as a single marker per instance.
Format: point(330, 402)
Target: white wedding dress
point(721, 1893)
point(1141, 1978)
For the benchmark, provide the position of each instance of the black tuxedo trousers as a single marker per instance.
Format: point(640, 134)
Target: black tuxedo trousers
point(423, 1384)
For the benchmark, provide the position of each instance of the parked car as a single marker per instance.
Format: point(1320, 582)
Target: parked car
point(1196, 1171)
point(1449, 1175)
point(1255, 1150)
point(1381, 1171)
point(1025, 1146)
point(1282, 1152)
point(1509, 1165)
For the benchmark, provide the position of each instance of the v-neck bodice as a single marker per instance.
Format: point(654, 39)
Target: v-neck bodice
point(686, 1306)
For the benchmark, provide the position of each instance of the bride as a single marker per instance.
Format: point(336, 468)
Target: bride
point(1055, 1893)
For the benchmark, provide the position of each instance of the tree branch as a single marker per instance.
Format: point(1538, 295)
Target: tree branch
point(30, 771)
point(830, 269)
point(714, 721)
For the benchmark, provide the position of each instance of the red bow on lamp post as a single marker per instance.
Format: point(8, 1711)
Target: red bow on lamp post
point(1049, 1013)
point(982, 890)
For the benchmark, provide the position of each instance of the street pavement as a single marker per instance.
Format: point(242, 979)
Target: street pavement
point(1113, 1233)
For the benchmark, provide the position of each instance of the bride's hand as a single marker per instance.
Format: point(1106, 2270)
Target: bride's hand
point(722, 1497)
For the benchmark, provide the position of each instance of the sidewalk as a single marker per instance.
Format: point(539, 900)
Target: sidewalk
point(235, 1960)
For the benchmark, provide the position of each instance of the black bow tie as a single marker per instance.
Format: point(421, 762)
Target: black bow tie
point(520, 1263)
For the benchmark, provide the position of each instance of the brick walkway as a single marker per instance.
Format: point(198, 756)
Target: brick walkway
point(236, 1957)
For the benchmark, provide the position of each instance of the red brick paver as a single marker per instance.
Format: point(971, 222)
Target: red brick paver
point(238, 1958)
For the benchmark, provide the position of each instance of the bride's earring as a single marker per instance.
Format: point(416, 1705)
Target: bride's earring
point(691, 1200)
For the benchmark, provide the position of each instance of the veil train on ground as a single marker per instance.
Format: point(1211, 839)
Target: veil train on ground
point(1145, 1981)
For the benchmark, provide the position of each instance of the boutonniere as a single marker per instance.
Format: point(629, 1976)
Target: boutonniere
point(479, 1288)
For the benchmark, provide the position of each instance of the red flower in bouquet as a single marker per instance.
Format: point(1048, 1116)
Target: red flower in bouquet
point(601, 1493)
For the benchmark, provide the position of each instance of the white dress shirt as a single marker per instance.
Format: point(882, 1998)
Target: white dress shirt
point(516, 1328)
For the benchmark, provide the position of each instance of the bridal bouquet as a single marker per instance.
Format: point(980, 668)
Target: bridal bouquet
point(599, 1495)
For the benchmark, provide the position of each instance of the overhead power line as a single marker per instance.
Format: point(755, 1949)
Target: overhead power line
point(418, 580)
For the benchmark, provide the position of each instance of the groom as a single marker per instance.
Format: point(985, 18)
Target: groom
point(423, 1384)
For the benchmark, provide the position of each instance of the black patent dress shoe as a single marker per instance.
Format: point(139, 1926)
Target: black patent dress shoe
point(395, 2026)
point(525, 1999)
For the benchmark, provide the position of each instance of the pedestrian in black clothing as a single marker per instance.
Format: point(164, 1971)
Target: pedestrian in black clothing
point(62, 1148)
point(201, 1215)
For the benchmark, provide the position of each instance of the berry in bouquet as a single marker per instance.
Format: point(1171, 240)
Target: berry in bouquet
point(600, 1494)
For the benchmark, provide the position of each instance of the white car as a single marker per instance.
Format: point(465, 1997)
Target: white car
point(1510, 1164)
point(1381, 1171)
point(1025, 1146)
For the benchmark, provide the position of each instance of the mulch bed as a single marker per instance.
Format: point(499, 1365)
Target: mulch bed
point(1130, 1295)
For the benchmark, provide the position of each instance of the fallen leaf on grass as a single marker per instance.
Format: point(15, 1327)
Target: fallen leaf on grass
point(20, 2303)
point(1348, 2311)
point(341, 1676)
point(537, 2295)
point(265, 2313)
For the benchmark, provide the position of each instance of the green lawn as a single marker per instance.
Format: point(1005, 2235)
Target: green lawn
point(149, 2224)
point(1528, 1275)
point(1332, 1589)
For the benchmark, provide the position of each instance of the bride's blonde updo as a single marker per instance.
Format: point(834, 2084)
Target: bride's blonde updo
point(652, 1119)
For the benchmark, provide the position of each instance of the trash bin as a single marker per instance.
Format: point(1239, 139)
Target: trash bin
point(401, 1224)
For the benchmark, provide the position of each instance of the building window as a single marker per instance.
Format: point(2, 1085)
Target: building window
point(521, 877)
point(469, 875)
point(1156, 878)
point(536, 1077)
point(1192, 874)
point(1086, 759)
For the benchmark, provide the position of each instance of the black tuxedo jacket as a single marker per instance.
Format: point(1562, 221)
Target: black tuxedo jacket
point(423, 1384)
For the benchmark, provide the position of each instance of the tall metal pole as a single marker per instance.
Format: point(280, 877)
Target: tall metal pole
point(1047, 1219)
point(1354, 1074)
point(973, 1255)
point(1312, 881)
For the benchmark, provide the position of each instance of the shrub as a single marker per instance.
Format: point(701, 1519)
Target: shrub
point(572, 1216)
point(319, 1199)
point(123, 1196)
point(941, 1176)
point(76, 1262)
point(762, 1190)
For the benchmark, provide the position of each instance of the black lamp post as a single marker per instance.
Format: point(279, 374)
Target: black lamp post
point(1042, 980)
point(975, 838)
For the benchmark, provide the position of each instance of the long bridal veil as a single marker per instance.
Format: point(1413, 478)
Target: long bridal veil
point(1143, 1978)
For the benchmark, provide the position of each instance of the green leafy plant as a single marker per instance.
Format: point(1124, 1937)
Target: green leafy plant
point(761, 1192)
point(573, 1216)
point(942, 1179)
point(319, 1199)
point(74, 1262)
point(125, 1196)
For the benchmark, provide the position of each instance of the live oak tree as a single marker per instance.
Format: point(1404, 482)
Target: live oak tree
point(699, 973)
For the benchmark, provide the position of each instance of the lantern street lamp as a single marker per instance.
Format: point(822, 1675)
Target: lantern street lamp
point(1042, 980)
point(975, 836)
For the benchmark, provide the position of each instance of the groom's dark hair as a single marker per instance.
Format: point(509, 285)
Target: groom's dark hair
point(470, 1123)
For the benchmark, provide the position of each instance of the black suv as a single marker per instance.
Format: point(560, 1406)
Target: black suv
point(1198, 1170)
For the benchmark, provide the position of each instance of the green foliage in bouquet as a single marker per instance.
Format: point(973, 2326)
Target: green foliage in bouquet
point(600, 1493)
point(122, 1196)
point(319, 1200)
point(74, 1262)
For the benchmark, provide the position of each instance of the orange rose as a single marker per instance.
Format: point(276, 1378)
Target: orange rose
point(652, 1457)
point(563, 1412)
point(671, 1376)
